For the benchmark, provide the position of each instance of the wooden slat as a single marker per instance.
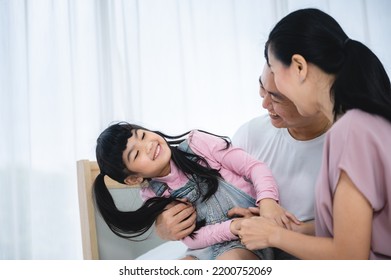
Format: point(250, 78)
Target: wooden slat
point(87, 171)
point(85, 174)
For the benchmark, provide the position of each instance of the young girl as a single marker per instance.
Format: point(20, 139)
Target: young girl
point(203, 168)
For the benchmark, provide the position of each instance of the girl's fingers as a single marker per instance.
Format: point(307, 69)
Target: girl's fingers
point(292, 218)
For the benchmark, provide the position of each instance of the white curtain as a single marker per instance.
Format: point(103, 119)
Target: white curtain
point(69, 68)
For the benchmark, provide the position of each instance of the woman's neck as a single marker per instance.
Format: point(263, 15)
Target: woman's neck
point(325, 103)
point(315, 128)
point(321, 84)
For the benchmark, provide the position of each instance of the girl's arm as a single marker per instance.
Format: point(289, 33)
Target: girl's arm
point(261, 177)
point(239, 162)
point(235, 162)
point(210, 235)
point(258, 173)
point(352, 230)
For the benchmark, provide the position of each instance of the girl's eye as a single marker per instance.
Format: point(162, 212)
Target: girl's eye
point(142, 137)
point(135, 156)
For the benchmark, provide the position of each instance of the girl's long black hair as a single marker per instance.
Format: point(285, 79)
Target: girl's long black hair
point(110, 145)
point(361, 81)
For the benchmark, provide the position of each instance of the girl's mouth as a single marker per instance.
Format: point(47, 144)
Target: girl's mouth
point(157, 152)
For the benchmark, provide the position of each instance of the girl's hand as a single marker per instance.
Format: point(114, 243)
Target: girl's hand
point(270, 209)
point(235, 225)
point(243, 212)
point(176, 222)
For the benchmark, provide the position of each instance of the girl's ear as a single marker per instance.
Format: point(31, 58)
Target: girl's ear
point(133, 180)
point(300, 67)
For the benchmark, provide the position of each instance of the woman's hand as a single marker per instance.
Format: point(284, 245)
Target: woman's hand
point(256, 232)
point(239, 213)
point(176, 222)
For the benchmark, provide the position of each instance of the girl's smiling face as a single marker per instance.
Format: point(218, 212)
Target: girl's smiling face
point(147, 154)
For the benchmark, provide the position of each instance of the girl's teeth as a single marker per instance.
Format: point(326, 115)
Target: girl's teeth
point(157, 151)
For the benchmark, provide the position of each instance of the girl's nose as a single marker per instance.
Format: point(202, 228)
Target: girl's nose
point(148, 147)
point(142, 146)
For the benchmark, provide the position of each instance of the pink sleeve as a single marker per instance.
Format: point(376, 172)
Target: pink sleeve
point(237, 161)
point(210, 235)
point(356, 145)
point(257, 172)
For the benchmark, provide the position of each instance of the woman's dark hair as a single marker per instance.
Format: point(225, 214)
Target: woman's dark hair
point(109, 149)
point(360, 79)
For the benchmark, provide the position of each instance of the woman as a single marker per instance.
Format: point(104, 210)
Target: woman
point(320, 69)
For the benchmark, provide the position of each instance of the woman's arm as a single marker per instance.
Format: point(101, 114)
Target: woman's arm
point(305, 227)
point(352, 230)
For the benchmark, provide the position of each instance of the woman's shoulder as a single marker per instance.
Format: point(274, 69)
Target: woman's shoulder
point(360, 121)
point(357, 128)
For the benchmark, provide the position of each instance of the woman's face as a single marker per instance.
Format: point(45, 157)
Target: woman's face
point(147, 154)
point(289, 82)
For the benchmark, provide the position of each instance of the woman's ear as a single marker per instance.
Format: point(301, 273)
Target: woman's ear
point(133, 180)
point(300, 67)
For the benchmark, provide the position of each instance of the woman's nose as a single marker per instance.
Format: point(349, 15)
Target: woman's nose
point(266, 101)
